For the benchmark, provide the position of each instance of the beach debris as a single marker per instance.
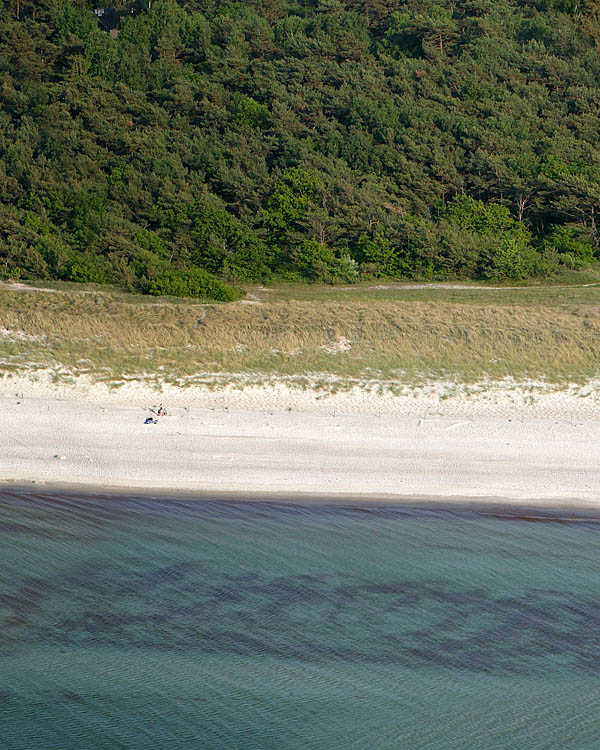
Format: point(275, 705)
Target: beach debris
point(60, 458)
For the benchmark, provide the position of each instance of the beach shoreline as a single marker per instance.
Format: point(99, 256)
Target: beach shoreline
point(542, 509)
point(494, 445)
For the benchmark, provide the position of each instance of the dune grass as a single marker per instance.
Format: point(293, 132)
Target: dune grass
point(391, 332)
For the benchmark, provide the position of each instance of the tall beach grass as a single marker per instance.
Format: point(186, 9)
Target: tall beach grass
point(393, 332)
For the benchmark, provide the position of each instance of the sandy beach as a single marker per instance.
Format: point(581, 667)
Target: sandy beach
point(507, 441)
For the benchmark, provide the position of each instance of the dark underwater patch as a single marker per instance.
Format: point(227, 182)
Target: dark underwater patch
point(474, 630)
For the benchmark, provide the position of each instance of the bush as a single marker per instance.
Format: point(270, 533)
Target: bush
point(224, 245)
point(87, 270)
point(376, 255)
point(18, 259)
point(192, 283)
point(317, 262)
point(513, 260)
point(574, 248)
point(505, 245)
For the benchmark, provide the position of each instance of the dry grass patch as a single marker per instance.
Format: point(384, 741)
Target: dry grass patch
point(111, 336)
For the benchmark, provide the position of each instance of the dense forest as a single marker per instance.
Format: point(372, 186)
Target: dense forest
point(211, 143)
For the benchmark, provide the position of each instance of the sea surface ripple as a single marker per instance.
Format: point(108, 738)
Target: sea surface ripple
point(147, 622)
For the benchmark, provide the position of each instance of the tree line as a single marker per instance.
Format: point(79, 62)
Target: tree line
point(214, 143)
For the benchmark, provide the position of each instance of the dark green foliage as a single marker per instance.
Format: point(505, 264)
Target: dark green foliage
point(222, 142)
point(223, 244)
point(192, 283)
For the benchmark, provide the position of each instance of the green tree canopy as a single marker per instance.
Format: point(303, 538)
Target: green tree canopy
point(292, 139)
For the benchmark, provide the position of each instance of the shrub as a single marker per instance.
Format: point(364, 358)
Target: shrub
point(574, 248)
point(513, 260)
point(318, 262)
point(377, 254)
point(505, 245)
point(224, 245)
point(87, 270)
point(192, 283)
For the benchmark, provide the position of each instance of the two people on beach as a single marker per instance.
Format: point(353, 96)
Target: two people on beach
point(160, 412)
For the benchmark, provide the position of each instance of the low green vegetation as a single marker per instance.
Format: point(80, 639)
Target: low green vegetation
point(215, 144)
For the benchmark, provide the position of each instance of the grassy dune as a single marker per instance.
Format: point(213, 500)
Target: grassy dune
point(393, 332)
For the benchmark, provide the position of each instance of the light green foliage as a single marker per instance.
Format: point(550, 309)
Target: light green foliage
point(86, 270)
point(151, 242)
point(476, 216)
point(286, 218)
point(252, 114)
point(117, 171)
point(572, 244)
point(290, 200)
point(74, 20)
point(555, 167)
point(505, 250)
point(377, 255)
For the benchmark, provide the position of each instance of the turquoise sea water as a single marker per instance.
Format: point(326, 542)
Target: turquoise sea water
point(143, 623)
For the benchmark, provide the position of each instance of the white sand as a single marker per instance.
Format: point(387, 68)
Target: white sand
point(507, 441)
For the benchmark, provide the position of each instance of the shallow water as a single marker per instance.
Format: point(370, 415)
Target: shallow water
point(147, 623)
